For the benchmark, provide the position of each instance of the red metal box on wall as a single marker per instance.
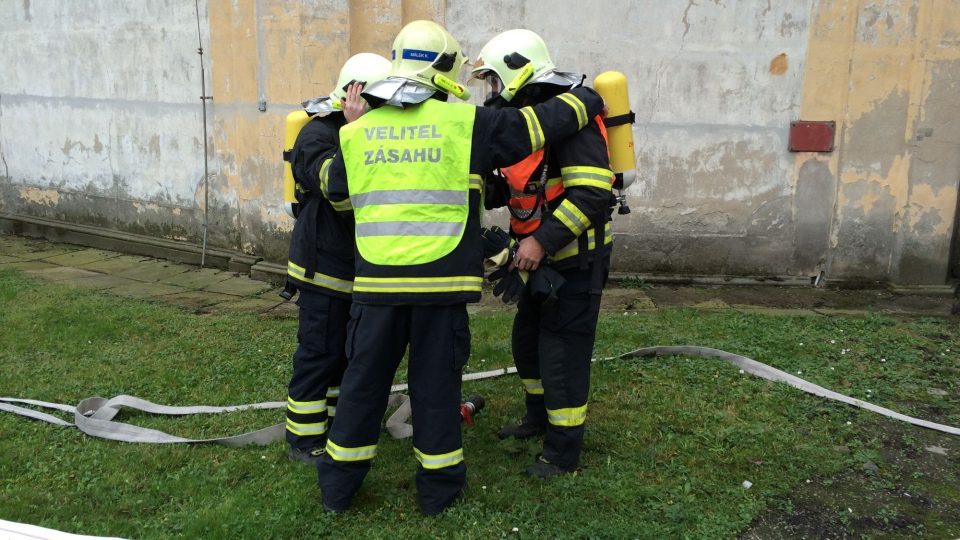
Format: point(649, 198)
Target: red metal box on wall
point(809, 136)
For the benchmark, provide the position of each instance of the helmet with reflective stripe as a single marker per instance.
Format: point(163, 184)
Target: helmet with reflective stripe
point(365, 68)
point(424, 49)
point(517, 57)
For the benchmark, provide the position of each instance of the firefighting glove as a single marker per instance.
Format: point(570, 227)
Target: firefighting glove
point(510, 284)
point(498, 248)
point(495, 240)
point(544, 284)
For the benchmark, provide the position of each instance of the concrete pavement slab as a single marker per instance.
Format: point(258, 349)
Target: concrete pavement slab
point(197, 278)
point(100, 282)
point(45, 253)
point(240, 286)
point(137, 289)
point(13, 245)
point(115, 265)
point(193, 299)
point(83, 256)
point(24, 266)
point(241, 305)
point(62, 273)
point(154, 270)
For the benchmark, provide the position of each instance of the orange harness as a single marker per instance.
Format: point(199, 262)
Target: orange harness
point(529, 197)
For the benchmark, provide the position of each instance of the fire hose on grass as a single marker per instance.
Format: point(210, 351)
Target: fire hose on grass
point(95, 416)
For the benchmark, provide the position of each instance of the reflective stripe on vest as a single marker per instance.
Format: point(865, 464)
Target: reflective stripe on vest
point(408, 172)
point(419, 285)
point(438, 461)
point(321, 280)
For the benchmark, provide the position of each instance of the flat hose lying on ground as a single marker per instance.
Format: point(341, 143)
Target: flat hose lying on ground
point(94, 416)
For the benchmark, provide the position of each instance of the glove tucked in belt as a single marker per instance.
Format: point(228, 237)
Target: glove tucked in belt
point(508, 284)
point(543, 284)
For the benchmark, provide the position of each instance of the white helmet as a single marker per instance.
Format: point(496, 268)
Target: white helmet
point(366, 68)
point(424, 52)
point(516, 58)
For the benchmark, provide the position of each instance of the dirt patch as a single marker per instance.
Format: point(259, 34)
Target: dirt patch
point(909, 491)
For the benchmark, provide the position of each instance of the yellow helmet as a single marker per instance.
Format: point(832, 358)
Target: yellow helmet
point(426, 53)
point(365, 68)
point(516, 58)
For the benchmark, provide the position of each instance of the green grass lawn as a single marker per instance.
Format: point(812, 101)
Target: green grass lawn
point(669, 441)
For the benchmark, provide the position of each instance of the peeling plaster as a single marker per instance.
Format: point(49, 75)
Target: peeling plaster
point(714, 85)
point(44, 197)
point(931, 211)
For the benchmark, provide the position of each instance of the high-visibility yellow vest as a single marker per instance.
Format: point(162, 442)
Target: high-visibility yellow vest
point(408, 173)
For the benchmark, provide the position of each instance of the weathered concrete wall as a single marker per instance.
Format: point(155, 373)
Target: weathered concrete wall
point(714, 85)
point(282, 53)
point(109, 131)
point(100, 119)
point(888, 72)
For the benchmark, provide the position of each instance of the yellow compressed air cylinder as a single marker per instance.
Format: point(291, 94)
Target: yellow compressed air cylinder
point(612, 86)
point(295, 122)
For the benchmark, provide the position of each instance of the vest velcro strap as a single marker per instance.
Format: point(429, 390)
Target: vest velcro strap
point(439, 461)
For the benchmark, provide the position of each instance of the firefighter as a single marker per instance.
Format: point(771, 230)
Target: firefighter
point(560, 202)
point(321, 264)
point(410, 169)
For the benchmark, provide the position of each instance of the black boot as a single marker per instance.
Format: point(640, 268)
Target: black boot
point(308, 456)
point(543, 469)
point(524, 430)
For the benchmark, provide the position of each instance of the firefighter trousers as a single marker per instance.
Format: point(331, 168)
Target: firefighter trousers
point(552, 347)
point(318, 366)
point(439, 345)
